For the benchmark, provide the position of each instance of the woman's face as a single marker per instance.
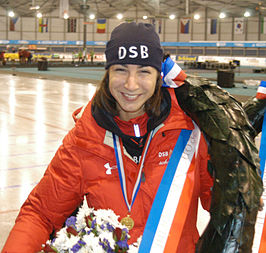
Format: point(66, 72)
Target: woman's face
point(131, 86)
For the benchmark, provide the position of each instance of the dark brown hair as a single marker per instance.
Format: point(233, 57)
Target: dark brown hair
point(104, 99)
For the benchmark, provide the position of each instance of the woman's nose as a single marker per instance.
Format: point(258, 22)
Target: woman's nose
point(132, 82)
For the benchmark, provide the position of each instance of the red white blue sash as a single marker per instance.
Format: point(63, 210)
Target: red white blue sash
point(172, 75)
point(261, 92)
point(170, 206)
point(263, 146)
point(259, 243)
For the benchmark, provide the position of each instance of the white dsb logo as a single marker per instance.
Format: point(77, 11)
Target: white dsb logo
point(163, 154)
point(133, 52)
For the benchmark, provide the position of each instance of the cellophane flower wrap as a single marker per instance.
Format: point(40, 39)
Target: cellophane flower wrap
point(92, 231)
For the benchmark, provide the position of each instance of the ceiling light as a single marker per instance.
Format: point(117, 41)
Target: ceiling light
point(39, 15)
point(172, 16)
point(92, 16)
point(247, 14)
point(37, 7)
point(196, 16)
point(11, 14)
point(222, 15)
point(66, 16)
point(119, 16)
point(145, 17)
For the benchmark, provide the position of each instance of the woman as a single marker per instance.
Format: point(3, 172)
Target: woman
point(129, 130)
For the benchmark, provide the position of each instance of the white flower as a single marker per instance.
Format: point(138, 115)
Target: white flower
point(63, 242)
point(61, 239)
point(82, 213)
point(92, 243)
point(84, 250)
point(103, 216)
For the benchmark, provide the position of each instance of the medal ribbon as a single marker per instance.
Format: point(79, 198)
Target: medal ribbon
point(259, 243)
point(164, 226)
point(120, 165)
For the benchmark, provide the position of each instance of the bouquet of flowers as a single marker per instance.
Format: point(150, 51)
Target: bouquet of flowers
point(92, 231)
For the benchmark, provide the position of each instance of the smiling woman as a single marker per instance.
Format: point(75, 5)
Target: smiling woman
point(129, 123)
point(134, 126)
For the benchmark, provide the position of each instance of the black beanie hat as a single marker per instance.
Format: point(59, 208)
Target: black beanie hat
point(132, 43)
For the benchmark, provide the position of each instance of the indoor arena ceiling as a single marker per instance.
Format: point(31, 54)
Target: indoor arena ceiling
point(153, 8)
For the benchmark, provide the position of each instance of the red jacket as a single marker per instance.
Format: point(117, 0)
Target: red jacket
point(78, 169)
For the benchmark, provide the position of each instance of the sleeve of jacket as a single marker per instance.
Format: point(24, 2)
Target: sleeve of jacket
point(206, 181)
point(55, 197)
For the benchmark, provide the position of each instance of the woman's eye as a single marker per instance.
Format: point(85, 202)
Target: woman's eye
point(120, 70)
point(145, 71)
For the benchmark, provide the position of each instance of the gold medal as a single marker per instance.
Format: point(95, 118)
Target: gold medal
point(128, 222)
